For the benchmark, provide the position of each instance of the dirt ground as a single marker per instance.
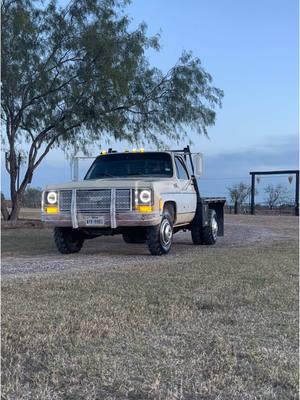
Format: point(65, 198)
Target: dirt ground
point(32, 250)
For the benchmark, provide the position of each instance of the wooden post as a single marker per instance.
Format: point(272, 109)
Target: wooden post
point(252, 193)
point(297, 195)
point(283, 172)
point(236, 207)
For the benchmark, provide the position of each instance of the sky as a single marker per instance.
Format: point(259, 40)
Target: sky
point(251, 50)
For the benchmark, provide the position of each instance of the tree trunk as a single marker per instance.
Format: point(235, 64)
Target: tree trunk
point(13, 172)
point(16, 206)
point(17, 194)
point(15, 198)
point(4, 210)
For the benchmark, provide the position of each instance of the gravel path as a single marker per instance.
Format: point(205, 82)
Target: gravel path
point(113, 252)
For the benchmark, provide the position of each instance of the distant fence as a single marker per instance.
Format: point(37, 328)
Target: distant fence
point(261, 210)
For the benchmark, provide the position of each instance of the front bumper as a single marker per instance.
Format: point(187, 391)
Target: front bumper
point(124, 219)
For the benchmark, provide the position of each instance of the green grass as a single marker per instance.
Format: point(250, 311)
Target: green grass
point(222, 325)
point(27, 242)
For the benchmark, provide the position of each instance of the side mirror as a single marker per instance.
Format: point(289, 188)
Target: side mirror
point(198, 164)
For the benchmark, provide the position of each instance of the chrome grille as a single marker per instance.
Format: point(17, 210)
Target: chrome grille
point(65, 198)
point(98, 200)
point(123, 199)
point(93, 200)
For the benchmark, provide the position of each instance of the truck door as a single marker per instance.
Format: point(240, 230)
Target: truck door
point(187, 199)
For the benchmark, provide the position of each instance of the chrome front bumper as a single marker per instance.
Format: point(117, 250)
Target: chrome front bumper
point(124, 219)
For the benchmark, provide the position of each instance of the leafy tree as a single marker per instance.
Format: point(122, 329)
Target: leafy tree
point(238, 193)
point(32, 197)
point(74, 75)
point(276, 195)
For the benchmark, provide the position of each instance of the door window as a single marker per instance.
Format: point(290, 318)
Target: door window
point(181, 169)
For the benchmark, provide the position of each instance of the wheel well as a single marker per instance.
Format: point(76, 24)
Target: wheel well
point(171, 206)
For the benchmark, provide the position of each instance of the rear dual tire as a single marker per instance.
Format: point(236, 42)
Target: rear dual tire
point(205, 234)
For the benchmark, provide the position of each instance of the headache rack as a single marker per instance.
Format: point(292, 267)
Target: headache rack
point(204, 204)
point(186, 152)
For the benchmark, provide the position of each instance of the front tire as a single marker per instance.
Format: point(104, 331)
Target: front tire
point(67, 240)
point(159, 237)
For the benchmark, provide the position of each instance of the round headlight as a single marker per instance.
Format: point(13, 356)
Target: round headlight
point(52, 197)
point(145, 196)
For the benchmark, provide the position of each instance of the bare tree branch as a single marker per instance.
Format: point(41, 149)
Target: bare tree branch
point(35, 98)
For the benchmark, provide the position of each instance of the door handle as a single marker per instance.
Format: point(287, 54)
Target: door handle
point(176, 185)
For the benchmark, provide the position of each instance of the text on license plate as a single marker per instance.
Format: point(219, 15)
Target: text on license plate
point(94, 220)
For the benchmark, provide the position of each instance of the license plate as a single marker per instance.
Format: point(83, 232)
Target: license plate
point(94, 220)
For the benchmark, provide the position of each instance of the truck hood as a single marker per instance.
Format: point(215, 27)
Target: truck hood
point(109, 183)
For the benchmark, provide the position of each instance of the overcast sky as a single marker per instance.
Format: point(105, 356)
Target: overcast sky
point(251, 50)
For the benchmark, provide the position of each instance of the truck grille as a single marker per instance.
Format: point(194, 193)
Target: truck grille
point(98, 200)
point(123, 199)
point(93, 200)
point(65, 199)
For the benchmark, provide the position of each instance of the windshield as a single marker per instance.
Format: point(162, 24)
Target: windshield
point(124, 165)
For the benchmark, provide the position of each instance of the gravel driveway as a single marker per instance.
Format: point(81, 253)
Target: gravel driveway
point(112, 252)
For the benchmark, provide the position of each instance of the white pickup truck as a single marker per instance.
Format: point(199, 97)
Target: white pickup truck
point(145, 196)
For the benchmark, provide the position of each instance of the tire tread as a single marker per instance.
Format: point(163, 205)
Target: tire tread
point(207, 235)
point(153, 234)
point(62, 244)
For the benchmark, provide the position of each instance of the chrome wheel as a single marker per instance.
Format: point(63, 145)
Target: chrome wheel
point(166, 233)
point(159, 237)
point(214, 227)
